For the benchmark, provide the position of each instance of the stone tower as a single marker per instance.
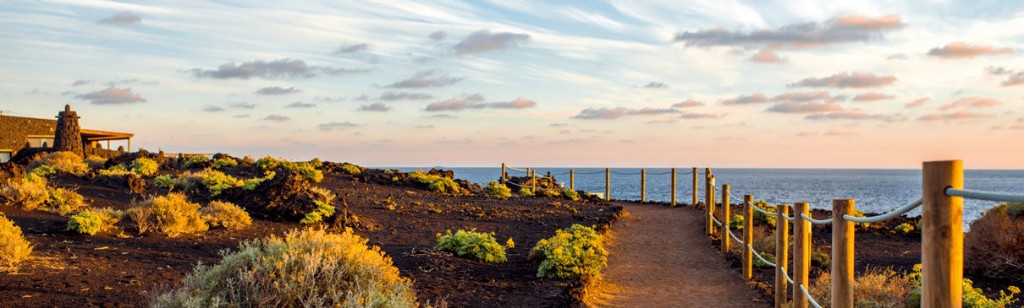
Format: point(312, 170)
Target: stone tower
point(68, 136)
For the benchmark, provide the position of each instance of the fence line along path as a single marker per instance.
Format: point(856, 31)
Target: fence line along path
point(657, 259)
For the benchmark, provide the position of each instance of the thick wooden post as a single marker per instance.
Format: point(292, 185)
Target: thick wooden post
point(535, 181)
point(942, 235)
point(726, 240)
point(607, 184)
point(801, 253)
point(695, 188)
point(572, 179)
point(781, 254)
point(673, 186)
point(643, 185)
point(502, 173)
point(842, 254)
point(708, 205)
point(748, 236)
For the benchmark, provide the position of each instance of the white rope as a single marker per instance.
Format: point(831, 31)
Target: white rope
point(516, 169)
point(625, 173)
point(735, 238)
point(589, 173)
point(786, 217)
point(809, 298)
point(985, 195)
point(758, 208)
point(894, 213)
point(713, 219)
point(786, 275)
point(759, 256)
point(816, 221)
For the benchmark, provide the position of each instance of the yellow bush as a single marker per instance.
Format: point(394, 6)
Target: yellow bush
point(172, 214)
point(226, 215)
point(30, 193)
point(145, 166)
point(436, 183)
point(307, 268)
point(115, 170)
point(64, 201)
point(573, 253)
point(877, 287)
point(995, 245)
point(66, 162)
point(13, 247)
point(95, 161)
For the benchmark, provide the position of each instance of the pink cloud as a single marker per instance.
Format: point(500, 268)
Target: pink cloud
point(855, 115)
point(806, 97)
point(756, 98)
point(766, 56)
point(959, 115)
point(841, 133)
point(917, 102)
point(971, 102)
point(871, 97)
point(809, 107)
point(847, 80)
point(961, 50)
point(1014, 80)
point(688, 104)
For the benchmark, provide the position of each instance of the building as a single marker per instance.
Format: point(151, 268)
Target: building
point(18, 133)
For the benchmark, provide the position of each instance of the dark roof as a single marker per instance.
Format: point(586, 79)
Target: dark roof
point(14, 129)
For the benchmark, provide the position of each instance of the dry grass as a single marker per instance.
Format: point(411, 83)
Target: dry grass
point(307, 268)
point(878, 287)
point(66, 162)
point(225, 215)
point(14, 249)
point(172, 214)
point(995, 245)
point(29, 194)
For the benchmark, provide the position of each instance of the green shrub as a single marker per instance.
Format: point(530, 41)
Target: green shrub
point(972, 297)
point(43, 171)
point(13, 247)
point(904, 228)
point(145, 167)
point(573, 253)
point(525, 192)
point(498, 190)
point(86, 222)
point(476, 245)
point(324, 206)
point(877, 287)
point(351, 169)
point(164, 181)
point(64, 201)
point(195, 160)
point(250, 184)
point(307, 268)
point(63, 161)
point(736, 222)
point(224, 162)
point(172, 214)
point(115, 170)
point(226, 215)
point(767, 256)
point(551, 193)
point(308, 170)
point(995, 245)
point(761, 217)
point(436, 183)
point(216, 181)
point(570, 194)
point(821, 258)
point(95, 162)
point(30, 193)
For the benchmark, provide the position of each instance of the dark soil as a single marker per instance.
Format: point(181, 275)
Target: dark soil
point(127, 269)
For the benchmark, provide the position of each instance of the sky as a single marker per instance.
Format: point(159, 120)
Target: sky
point(617, 83)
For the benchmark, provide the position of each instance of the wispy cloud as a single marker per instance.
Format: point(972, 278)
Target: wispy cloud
point(618, 112)
point(485, 41)
point(426, 79)
point(112, 96)
point(336, 125)
point(351, 48)
point(872, 96)
point(122, 19)
point(655, 85)
point(242, 105)
point(80, 82)
point(961, 50)
point(1014, 80)
point(766, 56)
point(959, 115)
point(437, 35)
point(808, 107)
point(213, 109)
point(855, 115)
point(809, 96)
point(475, 101)
point(756, 98)
point(840, 29)
point(917, 102)
point(275, 90)
point(847, 80)
point(691, 115)
point(971, 102)
point(688, 104)
point(281, 68)
point(395, 96)
point(300, 105)
point(276, 118)
point(375, 107)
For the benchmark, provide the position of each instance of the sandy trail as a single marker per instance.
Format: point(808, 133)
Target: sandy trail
point(659, 257)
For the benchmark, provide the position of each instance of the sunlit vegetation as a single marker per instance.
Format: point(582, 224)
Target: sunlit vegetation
point(225, 215)
point(308, 170)
point(171, 214)
point(14, 249)
point(573, 253)
point(222, 163)
point(29, 193)
point(471, 244)
point(995, 245)
point(498, 190)
point(63, 162)
point(86, 222)
point(145, 167)
point(324, 206)
point(436, 183)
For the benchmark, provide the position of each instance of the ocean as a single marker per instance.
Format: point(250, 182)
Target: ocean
point(875, 190)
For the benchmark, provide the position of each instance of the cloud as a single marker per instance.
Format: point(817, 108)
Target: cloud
point(329, 99)
point(618, 112)
point(276, 118)
point(80, 82)
point(651, 111)
point(475, 101)
point(995, 70)
point(766, 56)
point(756, 98)
point(423, 126)
point(442, 116)
point(841, 133)
point(213, 109)
point(112, 96)
point(336, 125)
point(567, 124)
point(847, 80)
point(352, 48)
point(485, 41)
point(655, 85)
point(959, 115)
point(809, 96)
point(1015, 80)
point(241, 116)
point(840, 29)
point(375, 107)
point(690, 115)
point(438, 35)
point(971, 102)
point(242, 105)
point(688, 104)
point(300, 105)
point(808, 107)
point(122, 19)
point(395, 96)
point(917, 102)
point(871, 97)
point(961, 50)
point(854, 115)
point(281, 68)
point(277, 90)
point(426, 79)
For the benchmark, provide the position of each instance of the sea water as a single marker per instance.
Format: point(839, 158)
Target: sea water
point(875, 190)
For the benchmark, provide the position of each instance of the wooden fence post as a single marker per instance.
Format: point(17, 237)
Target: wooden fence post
point(748, 236)
point(572, 179)
point(708, 205)
point(695, 188)
point(502, 173)
point(726, 240)
point(781, 254)
point(942, 235)
point(842, 254)
point(673, 186)
point(535, 181)
point(643, 185)
point(801, 252)
point(607, 184)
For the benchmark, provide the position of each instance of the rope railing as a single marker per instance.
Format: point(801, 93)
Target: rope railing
point(759, 257)
point(809, 298)
point(984, 195)
point(816, 221)
point(738, 240)
point(892, 214)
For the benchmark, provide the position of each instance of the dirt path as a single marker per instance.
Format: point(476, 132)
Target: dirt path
point(659, 257)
